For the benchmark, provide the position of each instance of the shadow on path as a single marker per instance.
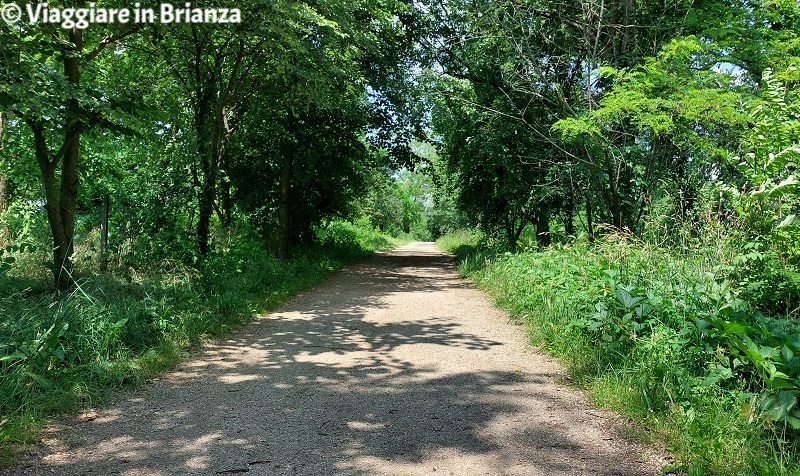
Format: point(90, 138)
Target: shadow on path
point(374, 372)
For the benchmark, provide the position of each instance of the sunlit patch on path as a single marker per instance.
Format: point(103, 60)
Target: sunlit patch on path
point(395, 366)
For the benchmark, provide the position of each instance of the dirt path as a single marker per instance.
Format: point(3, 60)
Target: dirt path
point(395, 366)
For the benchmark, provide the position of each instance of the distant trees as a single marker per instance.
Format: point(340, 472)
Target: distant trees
point(592, 111)
point(403, 203)
point(278, 119)
point(580, 115)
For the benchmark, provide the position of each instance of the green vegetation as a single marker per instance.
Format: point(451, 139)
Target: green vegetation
point(161, 184)
point(64, 353)
point(629, 174)
point(662, 337)
point(637, 160)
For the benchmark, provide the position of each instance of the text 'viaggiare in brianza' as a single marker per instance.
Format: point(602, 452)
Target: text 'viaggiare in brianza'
point(81, 18)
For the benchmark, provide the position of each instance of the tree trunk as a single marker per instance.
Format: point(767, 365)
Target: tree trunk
point(627, 13)
point(569, 213)
point(213, 102)
point(204, 125)
point(104, 234)
point(190, 221)
point(64, 245)
point(62, 198)
point(3, 193)
point(614, 199)
point(3, 178)
point(205, 202)
point(284, 204)
point(514, 228)
point(541, 226)
point(224, 194)
point(211, 136)
point(61, 256)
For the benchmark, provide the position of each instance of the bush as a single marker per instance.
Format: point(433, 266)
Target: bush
point(662, 337)
point(61, 353)
point(358, 237)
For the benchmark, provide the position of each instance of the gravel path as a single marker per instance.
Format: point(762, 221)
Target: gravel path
point(395, 366)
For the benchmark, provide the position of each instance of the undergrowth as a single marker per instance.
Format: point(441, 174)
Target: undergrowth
point(663, 338)
point(60, 354)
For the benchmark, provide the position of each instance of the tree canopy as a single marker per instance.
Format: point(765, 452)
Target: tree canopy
point(133, 147)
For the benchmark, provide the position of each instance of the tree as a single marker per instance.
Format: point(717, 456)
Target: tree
point(305, 127)
point(63, 107)
point(327, 161)
point(213, 66)
point(554, 69)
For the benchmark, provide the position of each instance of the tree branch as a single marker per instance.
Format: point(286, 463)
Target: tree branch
point(109, 40)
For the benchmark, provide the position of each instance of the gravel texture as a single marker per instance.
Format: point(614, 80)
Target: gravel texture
point(395, 366)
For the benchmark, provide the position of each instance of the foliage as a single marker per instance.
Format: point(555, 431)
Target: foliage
point(218, 147)
point(773, 145)
point(400, 204)
point(768, 199)
point(659, 130)
point(663, 338)
point(487, 161)
point(63, 353)
point(593, 109)
point(186, 133)
point(355, 238)
point(460, 242)
point(632, 139)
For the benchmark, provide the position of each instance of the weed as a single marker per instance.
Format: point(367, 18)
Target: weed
point(661, 337)
point(61, 353)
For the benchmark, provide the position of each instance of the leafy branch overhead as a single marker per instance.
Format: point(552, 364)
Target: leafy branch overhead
point(627, 170)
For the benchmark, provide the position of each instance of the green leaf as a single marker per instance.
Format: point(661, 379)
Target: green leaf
point(15, 356)
point(44, 382)
point(788, 185)
point(787, 353)
point(768, 352)
point(789, 221)
point(701, 324)
point(626, 298)
point(730, 327)
point(751, 350)
point(794, 421)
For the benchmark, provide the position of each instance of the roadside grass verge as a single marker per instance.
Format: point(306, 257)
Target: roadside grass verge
point(661, 338)
point(61, 354)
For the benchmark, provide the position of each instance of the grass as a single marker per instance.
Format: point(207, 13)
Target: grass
point(116, 330)
point(623, 317)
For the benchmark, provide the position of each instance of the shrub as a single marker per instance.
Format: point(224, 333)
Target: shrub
point(662, 337)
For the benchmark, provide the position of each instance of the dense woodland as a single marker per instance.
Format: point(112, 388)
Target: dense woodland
point(621, 174)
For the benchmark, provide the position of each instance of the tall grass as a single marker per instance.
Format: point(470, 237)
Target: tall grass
point(58, 354)
point(627, 320)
